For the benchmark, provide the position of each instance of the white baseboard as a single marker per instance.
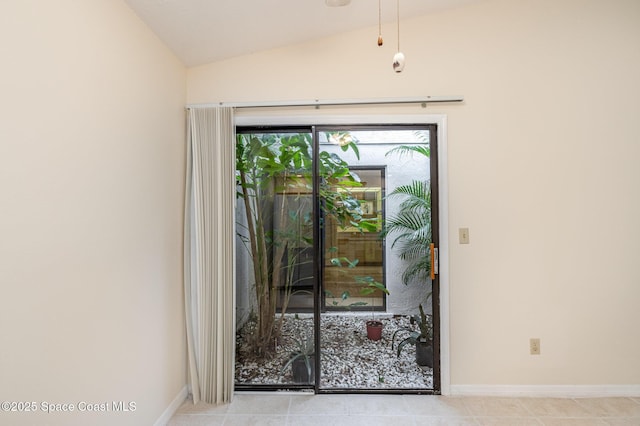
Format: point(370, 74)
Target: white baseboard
point(173, 407)
point(555, 391)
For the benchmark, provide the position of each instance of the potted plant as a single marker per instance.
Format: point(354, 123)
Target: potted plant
point(374, 329)
point(370, 285)
point(302, 360)
point(421, 338)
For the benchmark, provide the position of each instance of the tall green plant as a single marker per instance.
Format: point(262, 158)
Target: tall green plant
point(277, 228)
point(411, 226)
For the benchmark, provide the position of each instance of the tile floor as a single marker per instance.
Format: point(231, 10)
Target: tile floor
point(302, 409)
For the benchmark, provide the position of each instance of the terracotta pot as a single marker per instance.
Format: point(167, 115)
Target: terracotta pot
point(374, 330)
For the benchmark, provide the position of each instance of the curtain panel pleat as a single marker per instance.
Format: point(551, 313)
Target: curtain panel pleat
point(209, 248)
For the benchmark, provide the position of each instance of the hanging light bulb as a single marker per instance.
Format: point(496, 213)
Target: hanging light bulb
point(398, 62)
point(398, 58)
point(380, 23)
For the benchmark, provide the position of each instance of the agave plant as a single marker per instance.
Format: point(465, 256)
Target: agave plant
point(303, 351)
point(424, 334)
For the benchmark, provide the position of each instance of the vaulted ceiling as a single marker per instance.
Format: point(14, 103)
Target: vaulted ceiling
point(203, 31)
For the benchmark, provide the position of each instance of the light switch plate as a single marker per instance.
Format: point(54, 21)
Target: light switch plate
point(464, 235)
point(534, 346)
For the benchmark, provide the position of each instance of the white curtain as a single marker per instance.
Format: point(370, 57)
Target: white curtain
point(208, 253)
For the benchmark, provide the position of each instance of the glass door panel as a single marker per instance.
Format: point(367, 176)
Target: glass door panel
point(275, 247)
point(375, 274)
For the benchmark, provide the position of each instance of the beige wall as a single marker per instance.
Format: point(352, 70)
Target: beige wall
point(91, 190)
point(542, 169)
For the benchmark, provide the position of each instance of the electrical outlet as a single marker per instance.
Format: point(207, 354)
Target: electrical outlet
point(534, 346)
point(463, 235)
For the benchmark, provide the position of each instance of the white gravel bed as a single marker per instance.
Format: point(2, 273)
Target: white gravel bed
point(348, 358)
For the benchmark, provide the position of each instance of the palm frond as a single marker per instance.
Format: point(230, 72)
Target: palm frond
point(411, 228)
point(418, 189)
point(418, 271)
point(412, 251)
point(410, 150)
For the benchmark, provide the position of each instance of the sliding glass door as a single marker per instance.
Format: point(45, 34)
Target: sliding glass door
point(334, 284)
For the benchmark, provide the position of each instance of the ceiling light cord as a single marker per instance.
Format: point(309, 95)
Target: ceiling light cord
point(398, 16)
point(380, 23)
